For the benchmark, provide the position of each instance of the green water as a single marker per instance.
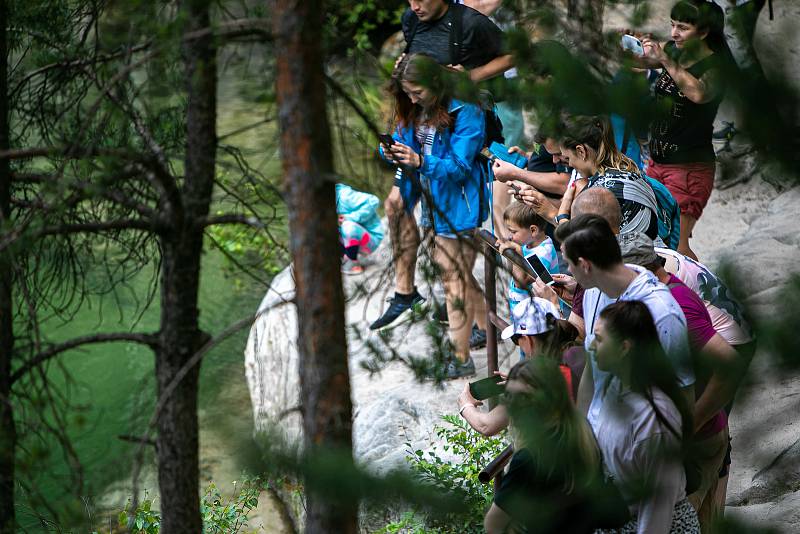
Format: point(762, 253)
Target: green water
point(113, 387)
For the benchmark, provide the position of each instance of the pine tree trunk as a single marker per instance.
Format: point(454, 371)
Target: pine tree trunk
point(310, 192)
point(8, 434)
point(180, 336)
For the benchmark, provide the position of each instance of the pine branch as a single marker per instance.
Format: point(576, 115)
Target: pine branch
point(145, 339)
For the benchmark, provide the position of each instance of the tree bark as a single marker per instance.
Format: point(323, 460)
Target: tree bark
point(8, 433)
point(310, 192)
point(180, 336)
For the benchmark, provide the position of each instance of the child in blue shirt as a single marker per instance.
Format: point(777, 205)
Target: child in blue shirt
point(360, 228)
point(526, 236)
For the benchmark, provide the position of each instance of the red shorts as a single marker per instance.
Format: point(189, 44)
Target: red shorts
point(689, 183)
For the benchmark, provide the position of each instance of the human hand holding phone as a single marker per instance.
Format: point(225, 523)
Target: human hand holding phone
point(564, 286)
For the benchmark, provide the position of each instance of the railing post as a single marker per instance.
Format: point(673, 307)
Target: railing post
point(490, 267)
point(489, 271)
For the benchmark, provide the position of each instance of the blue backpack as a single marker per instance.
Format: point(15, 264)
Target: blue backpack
point(669, 215)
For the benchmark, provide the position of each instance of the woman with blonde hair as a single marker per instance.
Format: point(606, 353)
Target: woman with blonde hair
point(553, 483)
point(587, 145)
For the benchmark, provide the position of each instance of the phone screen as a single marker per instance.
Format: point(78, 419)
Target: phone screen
point(386, 139)
point(486, 388)
point(629, 42)
point(540, 270)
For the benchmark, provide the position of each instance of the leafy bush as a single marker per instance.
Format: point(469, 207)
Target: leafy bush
point(473, 452)
point(219, 515)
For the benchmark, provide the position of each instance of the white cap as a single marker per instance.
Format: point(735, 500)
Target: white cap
point(529, 317)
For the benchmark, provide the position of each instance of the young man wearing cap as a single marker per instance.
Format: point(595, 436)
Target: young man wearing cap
point(530, 319)
point(594, 259)
point(718, 367)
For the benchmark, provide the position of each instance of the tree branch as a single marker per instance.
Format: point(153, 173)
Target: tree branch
point(145, 339)
point(233, 218)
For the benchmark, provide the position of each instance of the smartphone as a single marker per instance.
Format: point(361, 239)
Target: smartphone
point(500, 151)
point(540, 270)
point(487, 387)
point(386, 139)
point(629, 42)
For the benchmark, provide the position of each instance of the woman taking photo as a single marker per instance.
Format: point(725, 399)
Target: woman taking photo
point(689, 90)
point(553, 480)
point(436, 142)
point(540, 334)
point(641, 424)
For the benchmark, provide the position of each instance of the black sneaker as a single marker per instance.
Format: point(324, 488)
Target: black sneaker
point(477, 339)
point(397, 305)
point(456, 369)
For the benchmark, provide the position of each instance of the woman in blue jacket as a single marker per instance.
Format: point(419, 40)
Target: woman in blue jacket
point(436, 143)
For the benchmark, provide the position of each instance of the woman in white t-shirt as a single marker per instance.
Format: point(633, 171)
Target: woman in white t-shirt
point(640, 425)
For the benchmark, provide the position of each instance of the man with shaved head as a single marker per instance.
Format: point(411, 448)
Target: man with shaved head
point(599, 201)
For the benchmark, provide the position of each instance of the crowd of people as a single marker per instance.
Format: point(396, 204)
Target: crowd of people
point(630, 358)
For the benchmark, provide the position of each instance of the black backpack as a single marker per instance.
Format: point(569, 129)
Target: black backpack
point(493, 126)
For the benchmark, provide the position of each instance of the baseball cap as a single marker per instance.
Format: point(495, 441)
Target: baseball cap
point(529, 317)
point(637, 248)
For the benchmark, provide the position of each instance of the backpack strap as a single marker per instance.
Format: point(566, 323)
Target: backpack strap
point(456, 27)
point(413, 22)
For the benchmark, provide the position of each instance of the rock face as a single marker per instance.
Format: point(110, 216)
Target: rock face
point(750, 223)
point(391, 408)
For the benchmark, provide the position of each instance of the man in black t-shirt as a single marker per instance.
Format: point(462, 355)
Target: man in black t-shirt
point(427, 26)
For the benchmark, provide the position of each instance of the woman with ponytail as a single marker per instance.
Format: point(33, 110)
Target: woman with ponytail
point(689, 90)
point(587, 145)
point(644, 423)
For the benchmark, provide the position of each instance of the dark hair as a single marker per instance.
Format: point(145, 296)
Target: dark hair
point(524, 215)
point(549, 425)
point(649, 367)
point(597, 133)
point(589, 237)
point(555, 342)
point(706, 16)
point(421, 70)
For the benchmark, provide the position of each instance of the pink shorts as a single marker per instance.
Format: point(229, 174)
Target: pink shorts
point(689, 183)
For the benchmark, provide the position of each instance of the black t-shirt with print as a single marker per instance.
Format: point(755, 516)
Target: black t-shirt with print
point(537, 501)
point(683, 134)
point(481, 39)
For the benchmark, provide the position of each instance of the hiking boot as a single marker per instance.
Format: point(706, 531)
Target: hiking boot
point(477, 339)
point(456, 369)
point(397, 305)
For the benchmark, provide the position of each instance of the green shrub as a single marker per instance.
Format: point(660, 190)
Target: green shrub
point(219, 515)
point(473, 453)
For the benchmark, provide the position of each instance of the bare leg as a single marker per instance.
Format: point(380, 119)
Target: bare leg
point(500, 201)
point(687, 225)
point(455, 259)
point(405, 241)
